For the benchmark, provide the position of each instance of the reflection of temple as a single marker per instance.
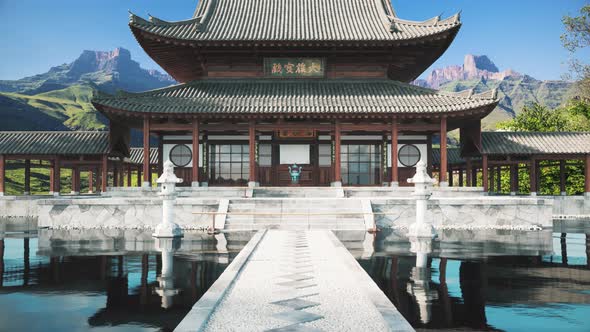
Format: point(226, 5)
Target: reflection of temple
point(129, 281)
point(498, 281)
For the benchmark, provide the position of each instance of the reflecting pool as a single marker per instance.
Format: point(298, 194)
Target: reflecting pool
point(97, 280)
point(486, 280)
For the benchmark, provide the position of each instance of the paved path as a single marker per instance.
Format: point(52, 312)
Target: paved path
point(295, 281)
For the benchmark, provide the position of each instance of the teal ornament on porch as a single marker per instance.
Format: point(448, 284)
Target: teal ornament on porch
point(295, 172)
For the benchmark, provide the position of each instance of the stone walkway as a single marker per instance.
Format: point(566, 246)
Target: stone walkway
point(301, 281)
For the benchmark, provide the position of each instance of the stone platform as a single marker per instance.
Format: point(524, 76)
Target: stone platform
point(294, 281)
point(293, 208)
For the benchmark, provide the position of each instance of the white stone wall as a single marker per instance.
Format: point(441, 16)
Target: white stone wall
point(468, 213)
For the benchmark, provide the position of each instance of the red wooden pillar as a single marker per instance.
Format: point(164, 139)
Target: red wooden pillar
point(468, 172)
point(90, 181)
point(499, 179)
point(461, 182)
point(443, 153)
point(57, 176)
point(587, 175)
point(337, 149)
point(128, 175)
point(484, 170)
point(394, 151)
point(27, 190)
point(195, 169)
point(2, 174)
point(75, 180)
point(51, 177)
point(533, 177)
point(513, 179)
point(146, 153)
point(450, 180)
point(139, 176)
point(115, 174)
point(562, 179)
point(252, 145)
point(104, 173)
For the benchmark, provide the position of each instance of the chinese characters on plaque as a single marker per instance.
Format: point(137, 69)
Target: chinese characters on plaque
point(294, 67)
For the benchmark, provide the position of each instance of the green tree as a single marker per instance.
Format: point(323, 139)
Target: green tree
point(536, 117)
point(577, 38)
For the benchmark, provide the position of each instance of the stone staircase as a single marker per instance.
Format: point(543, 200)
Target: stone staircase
point(298, 192)
point(295, 214)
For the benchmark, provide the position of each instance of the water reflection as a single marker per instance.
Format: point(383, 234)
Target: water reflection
point(487, 281)
point(57, 280)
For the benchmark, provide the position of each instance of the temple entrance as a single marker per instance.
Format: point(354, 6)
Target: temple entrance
point(361, 164)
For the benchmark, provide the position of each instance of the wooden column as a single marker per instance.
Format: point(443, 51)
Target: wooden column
point(129, 174)
point(115, 174)
point(394, 150)
point(468, 172)
point(97, 182)
point(492, 180)
point(562, 180)
point(2, 174)
point(51, 177)
point(160, 161)
point(499, 179)
point(450, 179)
point(474, 177)
point(90, 181)
point(57, 176)
point(27, 190)
point(533, 176)
point(587, 175)
point(139, 176)
point(75, 180)
point(461, 182)
point(252, 152)
point(195, 170)
point(337, 149)
point(443, 152)
point(514, 179)
point(484, 171)
point(146, 152)
point(104, 173)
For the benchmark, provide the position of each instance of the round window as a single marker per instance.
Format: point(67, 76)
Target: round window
point(181, 155)
point(409, 155)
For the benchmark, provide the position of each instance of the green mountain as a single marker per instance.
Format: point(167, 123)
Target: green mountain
point(64, 109)
point(515, 90)
point(60, 98)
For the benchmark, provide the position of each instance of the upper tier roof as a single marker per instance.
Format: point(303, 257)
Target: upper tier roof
point(295, 20)
point(275, 97)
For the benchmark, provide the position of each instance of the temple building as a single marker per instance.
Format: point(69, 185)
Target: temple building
point(321, 86)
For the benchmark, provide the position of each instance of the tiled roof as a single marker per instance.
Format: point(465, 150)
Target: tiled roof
point(54, 142)
point(136, 156)
point(295, 20)
point(453, 157)
point(530, 143)
point(295, 96)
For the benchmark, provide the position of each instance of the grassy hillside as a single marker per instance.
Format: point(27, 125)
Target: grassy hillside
point(515, 93)
point(68, 108)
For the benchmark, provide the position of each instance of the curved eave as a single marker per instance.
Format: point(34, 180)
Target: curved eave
point(182, 60)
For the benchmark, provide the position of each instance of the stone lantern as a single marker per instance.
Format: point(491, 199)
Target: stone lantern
point(422, 192)
point(167, 228)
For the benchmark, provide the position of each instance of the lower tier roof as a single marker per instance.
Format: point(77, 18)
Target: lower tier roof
point(274, 97)
point(70, 143)
point(535, 143)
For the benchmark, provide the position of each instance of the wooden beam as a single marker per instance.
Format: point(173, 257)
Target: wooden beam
point(146, 152)
point(337, 149)
point(394, 152)
point(443, 150)
point(195, 170)
point(252, 150)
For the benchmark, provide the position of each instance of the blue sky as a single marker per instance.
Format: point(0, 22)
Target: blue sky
point(518, 34)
